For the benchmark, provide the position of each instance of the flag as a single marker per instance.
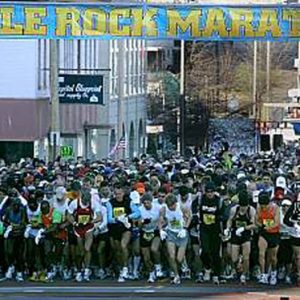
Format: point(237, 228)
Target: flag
point(119, 145)
point(122, 143)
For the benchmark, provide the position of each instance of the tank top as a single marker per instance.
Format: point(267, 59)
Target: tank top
point(83, 215)
point(241, 220)
point(174, 219)
point(33, 216)
point(267, 217)
point(153, 215)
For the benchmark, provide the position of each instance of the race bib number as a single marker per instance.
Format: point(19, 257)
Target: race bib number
point(175, 224)
point(148, 236)
point(84, 219)
point(119, 211)
point(269, 222)
point(209, 219)
point(240, 224)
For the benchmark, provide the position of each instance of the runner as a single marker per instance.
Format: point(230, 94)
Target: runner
point(292, 219)
point(241, 222)
point(15, 224)
point(211, 212)
point(176, 220)
point(84, 213)
point(150, 240)
point(268, 222)
point(119, 216)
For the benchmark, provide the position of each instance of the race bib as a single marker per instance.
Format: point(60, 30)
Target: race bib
point(240, 224)
point(209, 219)
point(84, 219)
point(175, 224)
point(269, 222)
point(148, 236)
point(119, 211)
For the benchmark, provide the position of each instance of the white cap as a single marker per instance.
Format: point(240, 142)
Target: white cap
point(60, 192)
point(281, 182)
point(286, 202)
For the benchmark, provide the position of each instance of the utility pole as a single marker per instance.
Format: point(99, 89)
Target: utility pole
point(266, 111)
point(55, 121)
point(181, 145)
point(121, 74)
point(254, 99)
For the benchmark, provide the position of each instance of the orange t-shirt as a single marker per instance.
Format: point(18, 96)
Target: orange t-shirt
point(267, 218)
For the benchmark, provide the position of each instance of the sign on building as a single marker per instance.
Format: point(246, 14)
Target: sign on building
point(80, 89)
point(66, 151)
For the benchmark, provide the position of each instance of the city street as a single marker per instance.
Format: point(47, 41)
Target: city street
point(142, 290)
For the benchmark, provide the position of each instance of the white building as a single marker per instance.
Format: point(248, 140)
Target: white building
point(92, 130)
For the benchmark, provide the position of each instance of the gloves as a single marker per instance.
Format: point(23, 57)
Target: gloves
point(123, 219)
point(226, 232)
point(147, 221)
point(181, 234)
point(297, 229)
point(226, 235)
point(7, 231)
point(26, 233)
point(163, 235)
point(39, 236)
point(239, 231)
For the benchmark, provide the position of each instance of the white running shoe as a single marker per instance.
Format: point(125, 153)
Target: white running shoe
point(288, 279)
point(78, 277)
point(19, 277)
point(101, 274)
point(243, 279)
point(263, 279)
point(10, 272)
point(87, 274)
point(176, 280)
point(207, 275)
point(125, 273)
point(152, 277)
point(50, 276)
point(67, 274)
point(281, 273)
point(273, 280)
point(215, 280)
point(158, 271)
point(199, 278)
point(186, 274)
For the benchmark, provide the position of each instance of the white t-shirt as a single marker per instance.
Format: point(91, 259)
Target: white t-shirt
point(152, 214)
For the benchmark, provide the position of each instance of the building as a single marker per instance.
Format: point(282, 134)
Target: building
point(92, 130)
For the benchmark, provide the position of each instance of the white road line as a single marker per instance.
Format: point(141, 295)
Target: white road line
point(144, 291)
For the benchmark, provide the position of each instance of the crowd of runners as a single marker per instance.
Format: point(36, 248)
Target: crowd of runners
point(215, 217)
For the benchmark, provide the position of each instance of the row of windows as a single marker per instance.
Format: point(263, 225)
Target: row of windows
point(83, 56)
point(131, 53)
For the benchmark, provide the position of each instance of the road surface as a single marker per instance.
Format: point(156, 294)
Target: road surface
point(142, 290)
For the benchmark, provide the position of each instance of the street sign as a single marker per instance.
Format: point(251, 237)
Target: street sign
point(80, 89)
point(154, 129)
point(66, 151)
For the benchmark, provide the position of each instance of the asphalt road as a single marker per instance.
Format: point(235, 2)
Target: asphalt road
point(141, 290)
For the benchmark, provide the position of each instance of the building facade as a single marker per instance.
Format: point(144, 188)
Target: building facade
point(92, 130)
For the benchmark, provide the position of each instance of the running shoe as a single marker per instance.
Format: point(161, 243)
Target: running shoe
point(176, 280)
